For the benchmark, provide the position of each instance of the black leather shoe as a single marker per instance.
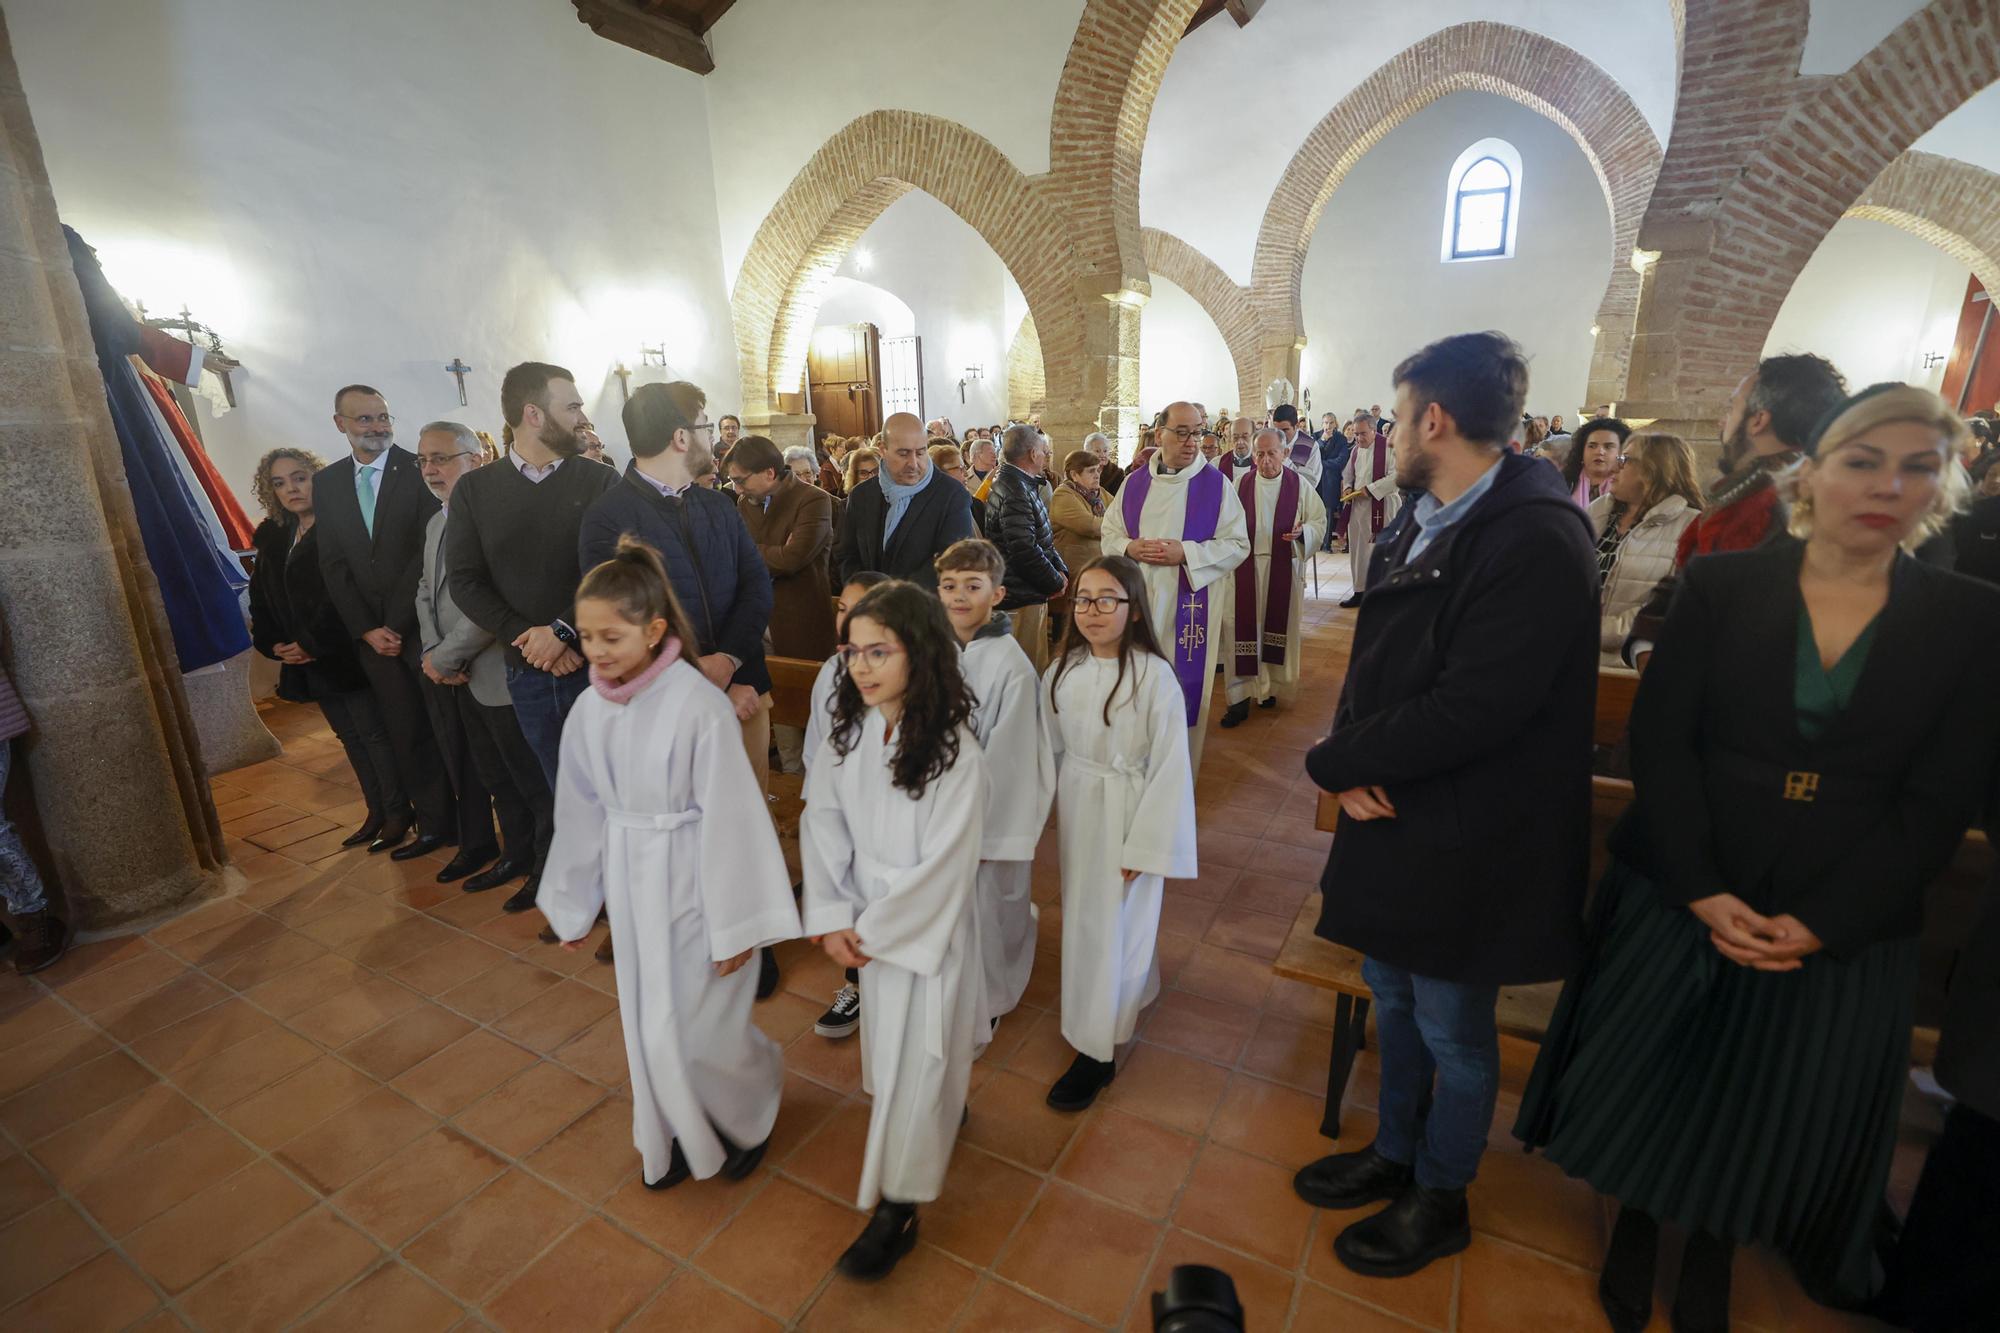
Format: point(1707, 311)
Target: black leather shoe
point(421, 845)
point(368, 832)
point(393, 834)
point(464, 864)
point(1422, 1226)
point(740, 1162)
point(524, 897)
point(1352, 601)
point(891, 1234)
point(677, 1171)
point(767, 974)
point(1079, 1087)
point(1271, 702)
point(1236, 714)
point(495, 875)
point(1701, 1298)
point(1351, 1179)
point(1625, 1285)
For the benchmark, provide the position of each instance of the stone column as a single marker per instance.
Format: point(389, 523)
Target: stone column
point(118, 783)
point(1107, 396)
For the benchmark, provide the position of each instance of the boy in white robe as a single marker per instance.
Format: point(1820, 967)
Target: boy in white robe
point(651, 798)
point(1125, 802)
point(843, 1017)
point(1271, 681)
point(890, 839)
point(1006, 716)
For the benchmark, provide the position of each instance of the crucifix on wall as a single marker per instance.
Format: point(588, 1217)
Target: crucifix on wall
point(458, 371)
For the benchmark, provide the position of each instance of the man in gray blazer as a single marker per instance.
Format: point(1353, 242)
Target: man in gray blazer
point(465, 686)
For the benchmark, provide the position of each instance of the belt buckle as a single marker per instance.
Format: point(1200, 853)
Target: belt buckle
point(1801, 786)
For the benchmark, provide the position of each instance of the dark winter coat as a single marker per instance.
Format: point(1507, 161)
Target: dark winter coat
point(939, 514)
point(288, 604)
point(1017, 521)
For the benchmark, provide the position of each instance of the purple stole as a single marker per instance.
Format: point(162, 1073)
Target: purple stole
point(1302, 451)
point(1227, 465)
point(1189, 649)
point(1278, 590)
point(1374, 505)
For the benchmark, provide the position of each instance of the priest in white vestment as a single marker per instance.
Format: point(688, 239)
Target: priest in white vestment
point(659, 821)
point(1274, 494)
point(1368, 489)
point(1187, 549)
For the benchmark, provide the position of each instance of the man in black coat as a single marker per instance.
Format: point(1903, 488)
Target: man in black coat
point(716, 569)
point(373, 507)
point(902, 518)
point(1461, 756)
point(1017, 521)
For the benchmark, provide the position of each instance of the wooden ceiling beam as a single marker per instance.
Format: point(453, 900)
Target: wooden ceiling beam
point(646, 30)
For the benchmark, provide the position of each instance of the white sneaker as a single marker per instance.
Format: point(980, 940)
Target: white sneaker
point(843, 1015)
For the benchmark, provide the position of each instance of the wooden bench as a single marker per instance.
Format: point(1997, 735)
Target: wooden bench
point(791, 689)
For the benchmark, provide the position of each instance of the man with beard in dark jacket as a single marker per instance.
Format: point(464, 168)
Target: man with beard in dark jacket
point(1461, 756)
point(1017, 521)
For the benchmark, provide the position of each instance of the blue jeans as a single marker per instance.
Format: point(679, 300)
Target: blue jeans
point(20, 883)
point(541, 702)
point(1438, 1038)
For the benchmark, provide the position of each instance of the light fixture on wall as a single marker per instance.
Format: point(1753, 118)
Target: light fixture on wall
point(1932, 360)
point(971, 373)
point(1643, 260)
point(1594, 330)
point(863, 258)
point(655, 355)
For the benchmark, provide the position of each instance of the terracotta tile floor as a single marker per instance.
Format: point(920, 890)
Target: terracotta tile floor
point(350, 1098)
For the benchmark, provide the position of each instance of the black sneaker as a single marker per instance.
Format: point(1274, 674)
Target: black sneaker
point(891, 1234)
point(44, 939)
point(1079, 1087)
point(843, 1015)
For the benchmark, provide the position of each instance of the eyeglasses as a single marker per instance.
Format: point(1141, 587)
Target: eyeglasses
point(369, 419)
point(876, 655)
point(440, 460)
point(1185, 433)
point(1104, 606)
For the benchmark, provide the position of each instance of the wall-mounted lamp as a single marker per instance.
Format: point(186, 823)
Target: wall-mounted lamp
point(653, 356)
point(863, 258)
point(1643, 260)
point(971, 373)
point(1594, 330)
point(1932, 360)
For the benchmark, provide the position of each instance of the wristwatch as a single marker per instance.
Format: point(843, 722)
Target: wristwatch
point(563, 632)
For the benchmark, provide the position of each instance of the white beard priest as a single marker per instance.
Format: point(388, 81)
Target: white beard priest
point(1267, 592)
point(1368, 489)
point(1178, 518)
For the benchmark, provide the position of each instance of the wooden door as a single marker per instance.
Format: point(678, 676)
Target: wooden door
point(1972, 376)
point(844, 371)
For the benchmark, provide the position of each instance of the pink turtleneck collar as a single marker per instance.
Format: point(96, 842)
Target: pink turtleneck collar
point(624, 694)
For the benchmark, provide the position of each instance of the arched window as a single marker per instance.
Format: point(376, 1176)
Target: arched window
point(1483, 202)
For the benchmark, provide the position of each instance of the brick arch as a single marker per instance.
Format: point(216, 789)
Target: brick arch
point(1027, 379)
point(1229, 305)
point(1952, 204)
point(845, 186)
point(1763, 167)
point(1097, 135)
point(1526, 67)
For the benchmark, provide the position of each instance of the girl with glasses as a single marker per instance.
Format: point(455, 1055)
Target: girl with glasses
point(1125, 796)
point(890, 843)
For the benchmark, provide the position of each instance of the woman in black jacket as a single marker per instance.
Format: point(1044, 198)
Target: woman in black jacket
point(294, 624)
point(1814, 735)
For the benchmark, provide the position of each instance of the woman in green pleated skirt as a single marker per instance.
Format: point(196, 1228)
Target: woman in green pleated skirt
point(1813, 736)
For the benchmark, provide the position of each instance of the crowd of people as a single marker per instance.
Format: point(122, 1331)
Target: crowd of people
point(558, 672)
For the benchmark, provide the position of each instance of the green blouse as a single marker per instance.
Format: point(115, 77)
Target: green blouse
point(1820, 694)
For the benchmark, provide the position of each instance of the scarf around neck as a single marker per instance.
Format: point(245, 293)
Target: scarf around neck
point(1094, 499)
point(624, 693)
point(899, 497)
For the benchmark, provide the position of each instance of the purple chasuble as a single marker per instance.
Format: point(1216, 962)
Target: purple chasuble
point(1189, 649)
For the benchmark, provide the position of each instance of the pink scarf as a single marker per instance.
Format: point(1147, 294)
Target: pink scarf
point(1585, 492)
point(624, 694)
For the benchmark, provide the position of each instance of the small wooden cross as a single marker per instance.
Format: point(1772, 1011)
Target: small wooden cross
point(624, 382)
point(458, 371)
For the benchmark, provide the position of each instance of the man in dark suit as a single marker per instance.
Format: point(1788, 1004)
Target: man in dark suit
point(1473, 676)
point(903, 518)
point(372, 508)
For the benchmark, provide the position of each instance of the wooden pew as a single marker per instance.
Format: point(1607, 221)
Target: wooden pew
point(791, 689)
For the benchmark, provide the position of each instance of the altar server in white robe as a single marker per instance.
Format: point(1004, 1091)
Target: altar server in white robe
point(890, 841)
point(843, 1017)
point(658, 821)
point(1273, 494)
point(1125, 815)
point(1368, 490)
point(1177, 517)
point(1006, 716)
